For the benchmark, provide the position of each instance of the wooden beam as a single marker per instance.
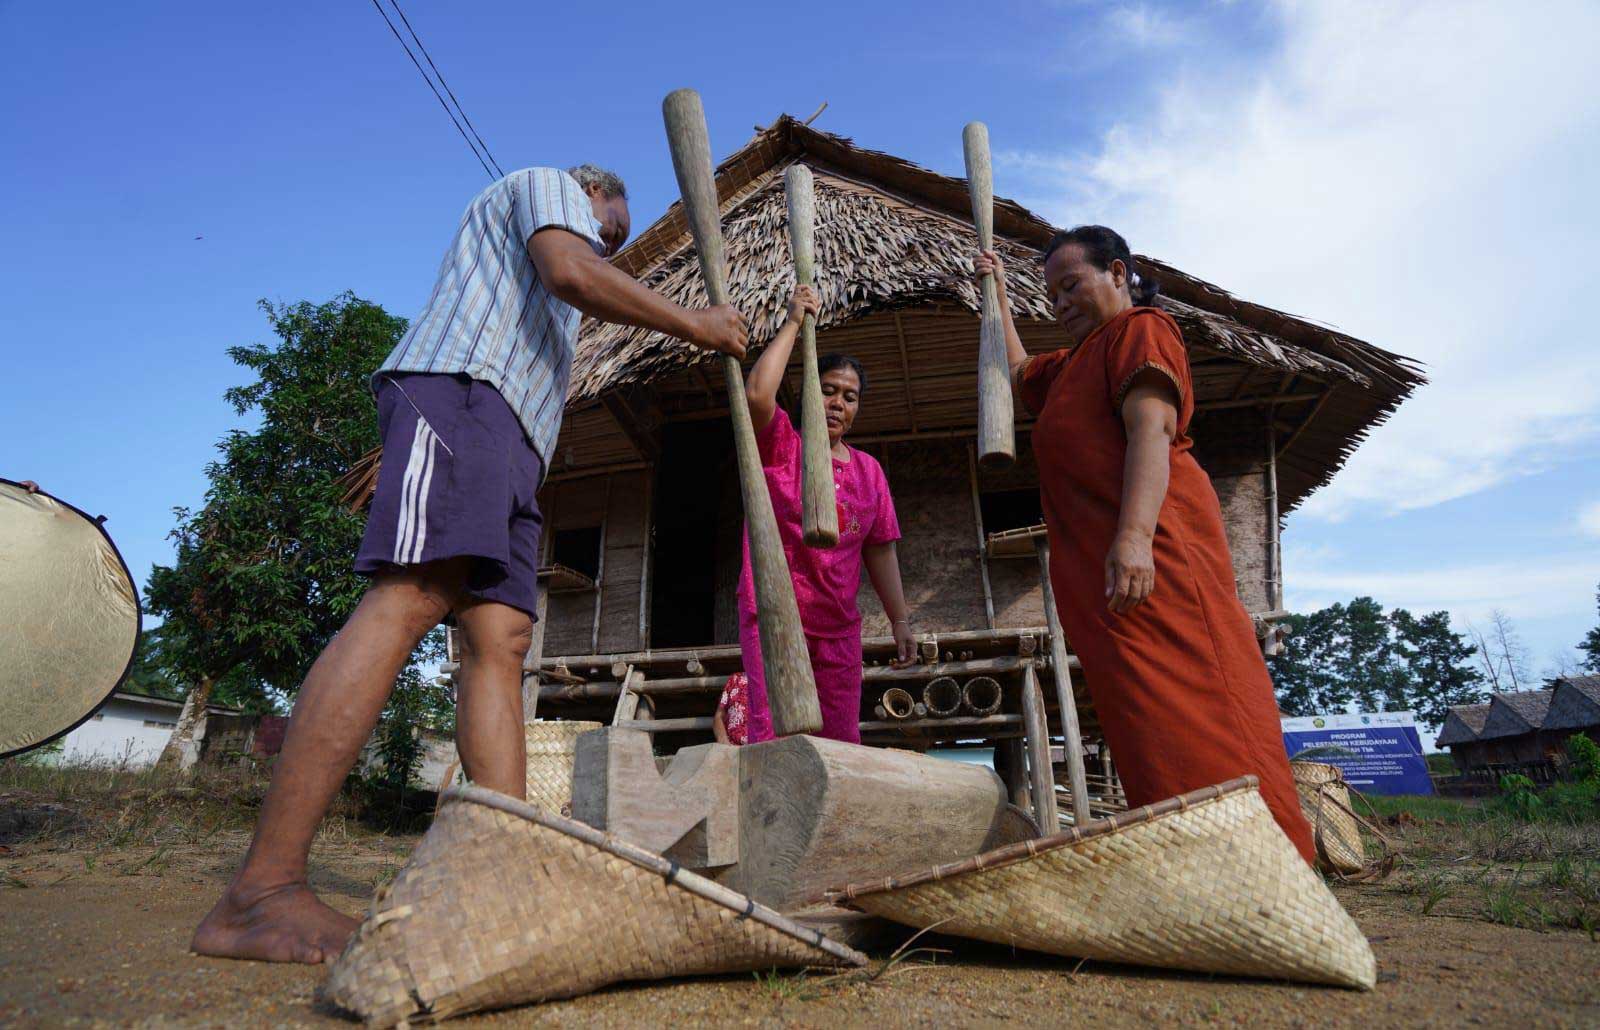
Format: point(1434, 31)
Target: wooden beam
point(644, 562)
point(905, 369)
point(1260, 402)
point(1071, 734)
point(1315, 411)
point(983, 544)
point(1041, 780)
point(636, 424)
point(600, 570)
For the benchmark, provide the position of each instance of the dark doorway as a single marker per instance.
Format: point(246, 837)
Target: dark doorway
point(1010, 509)
point(688, 497)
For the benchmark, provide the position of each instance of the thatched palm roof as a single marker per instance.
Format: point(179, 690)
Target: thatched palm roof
point(1462, 725)
point(894, 246)
point(1575, 704)
point(1516, 713)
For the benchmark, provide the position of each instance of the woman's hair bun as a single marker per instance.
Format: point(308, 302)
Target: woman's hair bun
point(1101, 246)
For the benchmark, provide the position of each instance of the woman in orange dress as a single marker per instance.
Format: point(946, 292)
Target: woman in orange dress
point(1139, 560)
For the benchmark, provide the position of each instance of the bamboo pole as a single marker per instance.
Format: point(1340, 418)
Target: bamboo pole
point(1066, 700)
point(942, 695)
point(1041, 781)
point(791, 688)
point(819, 514)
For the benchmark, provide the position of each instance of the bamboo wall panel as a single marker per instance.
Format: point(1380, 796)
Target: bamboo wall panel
point(938, 550)
point(1245, 520)
point(624, 564)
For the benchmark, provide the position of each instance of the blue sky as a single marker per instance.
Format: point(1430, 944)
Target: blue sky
point(1412, 175)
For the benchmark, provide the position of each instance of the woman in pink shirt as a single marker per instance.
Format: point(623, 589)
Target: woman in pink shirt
point(825, 581)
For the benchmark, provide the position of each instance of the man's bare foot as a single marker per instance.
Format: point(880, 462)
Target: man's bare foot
point(285, 924)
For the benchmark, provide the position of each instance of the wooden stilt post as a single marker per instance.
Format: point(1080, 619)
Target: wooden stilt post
point(530, 664)
point(1071, 735)
point(1041, 781)
point(1011, 762)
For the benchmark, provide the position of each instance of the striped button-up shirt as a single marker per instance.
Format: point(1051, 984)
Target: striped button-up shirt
point(490, 317)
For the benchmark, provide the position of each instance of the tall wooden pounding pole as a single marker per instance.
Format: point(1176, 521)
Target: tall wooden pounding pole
point(819, 511)
point(997, 439)
point(791, 689)
point(1071, 735)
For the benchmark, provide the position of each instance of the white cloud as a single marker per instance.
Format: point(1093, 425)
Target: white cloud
point(1589, 518)
point(1419, 174)
point(1143, 26)
point(1554, 585)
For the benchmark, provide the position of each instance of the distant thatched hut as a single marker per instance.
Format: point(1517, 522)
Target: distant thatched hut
point(1575, 707)
point(1460, 734)
point(1512, 734)
point(643, 517)
point(1523, 728)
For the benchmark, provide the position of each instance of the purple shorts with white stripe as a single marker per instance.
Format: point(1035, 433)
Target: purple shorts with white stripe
point(458, 479)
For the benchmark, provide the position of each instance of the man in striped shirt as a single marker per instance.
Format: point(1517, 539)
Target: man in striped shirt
point(469, 407)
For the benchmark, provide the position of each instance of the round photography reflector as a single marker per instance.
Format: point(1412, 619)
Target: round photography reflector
point(69, 618)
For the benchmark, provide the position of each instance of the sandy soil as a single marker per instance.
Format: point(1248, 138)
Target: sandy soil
point(101, 940)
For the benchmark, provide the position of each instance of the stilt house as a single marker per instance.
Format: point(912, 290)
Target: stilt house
point(642, 548)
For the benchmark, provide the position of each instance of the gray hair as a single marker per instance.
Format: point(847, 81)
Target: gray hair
point(610, 183)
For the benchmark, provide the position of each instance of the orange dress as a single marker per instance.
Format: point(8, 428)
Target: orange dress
point(1179, 683)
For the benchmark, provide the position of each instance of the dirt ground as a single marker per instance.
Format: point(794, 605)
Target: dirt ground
point(90, 938)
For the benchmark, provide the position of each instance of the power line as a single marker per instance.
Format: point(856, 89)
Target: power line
point(487, 171)
point(440, 75)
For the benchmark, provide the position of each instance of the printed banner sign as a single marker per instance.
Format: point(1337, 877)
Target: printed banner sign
point(1379, 752)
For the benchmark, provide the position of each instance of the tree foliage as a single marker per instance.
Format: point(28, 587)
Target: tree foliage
point(263, 575)
point(1591, 643)
point(1356, 655)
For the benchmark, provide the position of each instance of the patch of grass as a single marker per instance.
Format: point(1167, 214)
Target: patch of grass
point(786, 986)
point(1425, 808)
point(111, 806)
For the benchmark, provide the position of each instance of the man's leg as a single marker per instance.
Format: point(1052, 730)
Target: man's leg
point(495, 640)
point(268, 912)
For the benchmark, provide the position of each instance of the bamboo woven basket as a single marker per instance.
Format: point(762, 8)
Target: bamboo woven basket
point(1325, 800)
point(503, 903)
point(1205, 881)
point(550, 749)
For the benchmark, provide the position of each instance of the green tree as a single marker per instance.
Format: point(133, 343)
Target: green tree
point(1366, 658)
point(148, 674)
point(1306, 675)
point(263, 574)
point(1439, 663)
point(1355, 655)
point(1591, 643)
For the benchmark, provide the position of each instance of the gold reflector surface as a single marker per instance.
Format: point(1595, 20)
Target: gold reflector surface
point(69, 617)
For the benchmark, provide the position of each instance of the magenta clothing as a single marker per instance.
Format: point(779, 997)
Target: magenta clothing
point(836, 664)
point(825, 581)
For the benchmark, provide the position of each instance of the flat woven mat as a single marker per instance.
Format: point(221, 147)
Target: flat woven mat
point(504, 903)
point(1205, 881)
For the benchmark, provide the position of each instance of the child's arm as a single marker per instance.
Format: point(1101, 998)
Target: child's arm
point(719, 726)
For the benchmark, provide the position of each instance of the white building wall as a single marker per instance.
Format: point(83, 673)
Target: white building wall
point(123, 731)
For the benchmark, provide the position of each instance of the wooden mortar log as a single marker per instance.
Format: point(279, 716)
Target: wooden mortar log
point(981, 696)
point(817, 813)
point(942, 696)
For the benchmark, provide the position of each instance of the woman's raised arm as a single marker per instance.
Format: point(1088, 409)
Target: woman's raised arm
point(766, 375)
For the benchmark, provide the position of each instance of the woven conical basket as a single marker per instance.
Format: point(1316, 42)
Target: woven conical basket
point(1206, 882)
point(1325, 800)
point(550, 749)
point(504, 903)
